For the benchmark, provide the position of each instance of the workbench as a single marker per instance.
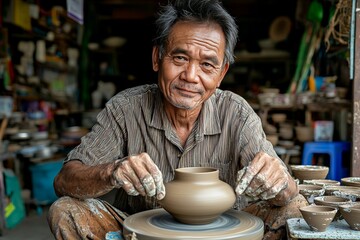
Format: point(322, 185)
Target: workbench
point(297, 228)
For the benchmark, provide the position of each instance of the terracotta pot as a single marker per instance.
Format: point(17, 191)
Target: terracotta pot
point(309, 172)
point(351, 181)
point(351, 214)
point(197, 196)
point(322, 182)
point(311, 191)
point(318, 217)
point(332, 201)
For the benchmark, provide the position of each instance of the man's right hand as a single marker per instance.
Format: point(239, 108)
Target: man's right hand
point(138, 174)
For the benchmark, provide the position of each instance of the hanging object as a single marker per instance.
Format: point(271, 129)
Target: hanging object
point(339, 25)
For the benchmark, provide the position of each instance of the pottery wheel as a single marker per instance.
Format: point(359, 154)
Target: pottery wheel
point(159, 224)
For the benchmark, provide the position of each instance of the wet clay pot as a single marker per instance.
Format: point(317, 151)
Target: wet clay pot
point(318, 217)
point(310, 191)
point(351, 214)
point(197, 195)
point(332, 201)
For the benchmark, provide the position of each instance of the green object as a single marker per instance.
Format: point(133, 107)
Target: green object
point(308, 43)
point(15, 209)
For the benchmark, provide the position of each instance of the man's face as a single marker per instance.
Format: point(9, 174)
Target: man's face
point(192, 66)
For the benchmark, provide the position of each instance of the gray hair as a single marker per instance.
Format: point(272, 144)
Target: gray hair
point(196, 11)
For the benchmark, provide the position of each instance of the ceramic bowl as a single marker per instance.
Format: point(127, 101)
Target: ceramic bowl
point(351, 214)
point(353, 195)
point(351, 181)
point(322, 182)
point(311, 191)
point(332, 201)
point(329, 190)
point(318, 217)
point(307, 172)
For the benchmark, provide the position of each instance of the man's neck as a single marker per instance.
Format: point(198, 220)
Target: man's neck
point(182, 121)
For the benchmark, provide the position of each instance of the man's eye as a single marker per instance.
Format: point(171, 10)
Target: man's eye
point(208, 65)
point(179, 58)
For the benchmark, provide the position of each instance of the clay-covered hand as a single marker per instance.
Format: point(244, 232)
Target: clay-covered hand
point(264, 178)
point(138, 174)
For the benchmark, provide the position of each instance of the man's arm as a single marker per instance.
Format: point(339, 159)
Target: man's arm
point(136, 175)
point(78, 180)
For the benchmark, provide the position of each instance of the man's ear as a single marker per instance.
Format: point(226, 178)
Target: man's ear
point(223, 72)
point(155, 58)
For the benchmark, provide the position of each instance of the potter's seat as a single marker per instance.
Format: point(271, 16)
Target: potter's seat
point(338, 168)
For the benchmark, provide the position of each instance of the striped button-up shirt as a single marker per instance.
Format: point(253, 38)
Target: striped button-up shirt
point(227, 135)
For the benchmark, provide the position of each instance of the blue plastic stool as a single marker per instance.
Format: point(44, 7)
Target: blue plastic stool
point(337, 170)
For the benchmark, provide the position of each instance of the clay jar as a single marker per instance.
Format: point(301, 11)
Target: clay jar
point(197, 195)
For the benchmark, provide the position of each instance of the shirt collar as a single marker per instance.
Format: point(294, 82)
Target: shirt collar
point(209, 120)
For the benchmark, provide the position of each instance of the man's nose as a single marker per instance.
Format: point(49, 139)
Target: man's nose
point(191, 72)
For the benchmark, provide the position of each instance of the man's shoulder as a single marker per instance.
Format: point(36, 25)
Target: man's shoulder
point(136, 92)
point(229, 97)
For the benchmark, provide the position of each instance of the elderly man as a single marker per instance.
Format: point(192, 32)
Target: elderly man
point(184, 120)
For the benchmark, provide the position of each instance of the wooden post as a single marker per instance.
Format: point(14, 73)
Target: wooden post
point(355, 166)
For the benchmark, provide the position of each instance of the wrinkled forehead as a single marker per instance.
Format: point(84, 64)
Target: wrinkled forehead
point(208, 35)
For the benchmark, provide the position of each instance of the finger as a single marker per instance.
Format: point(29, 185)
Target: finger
point(129, 188)
point(132, 184)
point(149, 185)
point(156, 174)
point(144, 181)
point(279, 185)
point(240, 185)
point(160, 187)
point(249, 173)
point(257, 184)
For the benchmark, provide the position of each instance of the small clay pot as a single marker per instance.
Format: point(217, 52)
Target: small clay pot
point(351, 181)
point(332, 201)
point(309, 172)
point(329, 190)
point(197, 195)
point(351, 214)
point(322, 182)
point(311, 191)
point(318, 217)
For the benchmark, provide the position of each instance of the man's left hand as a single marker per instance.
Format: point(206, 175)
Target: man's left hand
point(264, 178)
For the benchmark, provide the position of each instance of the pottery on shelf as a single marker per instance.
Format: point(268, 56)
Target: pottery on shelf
point(318, 217)
point(351, 214)
point(196, 195)
point(332, 201)
point(309, 172)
